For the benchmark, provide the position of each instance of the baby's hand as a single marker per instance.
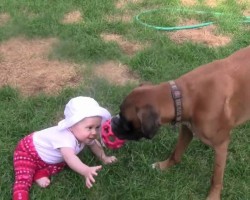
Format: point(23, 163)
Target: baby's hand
point(89, 175)
point(109, 159)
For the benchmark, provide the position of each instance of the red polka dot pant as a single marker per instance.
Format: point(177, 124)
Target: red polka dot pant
point(28, 167)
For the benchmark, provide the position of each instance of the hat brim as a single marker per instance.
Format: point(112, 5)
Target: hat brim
point(97, 111)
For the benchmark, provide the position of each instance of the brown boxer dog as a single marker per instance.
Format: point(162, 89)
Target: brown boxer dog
point(207, 103)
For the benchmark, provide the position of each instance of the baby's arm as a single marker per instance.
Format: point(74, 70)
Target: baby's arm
point(97, 149)
point(78, 166)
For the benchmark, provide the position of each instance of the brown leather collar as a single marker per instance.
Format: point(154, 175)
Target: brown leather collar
point(177, 97)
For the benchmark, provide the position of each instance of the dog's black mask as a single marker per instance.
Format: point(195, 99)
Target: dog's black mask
point(124, 129)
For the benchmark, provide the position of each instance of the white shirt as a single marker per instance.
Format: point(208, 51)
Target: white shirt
point(48, 141)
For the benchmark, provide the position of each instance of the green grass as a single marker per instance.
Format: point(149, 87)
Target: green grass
point(132, 177)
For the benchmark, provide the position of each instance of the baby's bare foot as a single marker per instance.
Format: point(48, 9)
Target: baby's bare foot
point(43, 182)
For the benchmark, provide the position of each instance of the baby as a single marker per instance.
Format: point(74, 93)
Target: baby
point(44, 153)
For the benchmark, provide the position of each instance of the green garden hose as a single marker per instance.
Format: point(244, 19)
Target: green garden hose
point(174, 28)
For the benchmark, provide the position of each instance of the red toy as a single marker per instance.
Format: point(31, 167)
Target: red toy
point(108, 137)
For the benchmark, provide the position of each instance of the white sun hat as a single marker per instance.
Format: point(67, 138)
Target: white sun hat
point(79, 108)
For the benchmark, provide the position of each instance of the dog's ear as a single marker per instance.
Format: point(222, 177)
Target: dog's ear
point(149, 119)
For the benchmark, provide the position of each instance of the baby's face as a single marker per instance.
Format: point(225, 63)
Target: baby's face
point(87, 129)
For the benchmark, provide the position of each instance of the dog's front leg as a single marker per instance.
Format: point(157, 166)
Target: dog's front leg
point(219, 166)
point(185, 136)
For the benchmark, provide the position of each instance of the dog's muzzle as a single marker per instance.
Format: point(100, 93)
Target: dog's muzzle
point(115, 123)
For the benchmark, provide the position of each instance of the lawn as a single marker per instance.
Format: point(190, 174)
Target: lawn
point(100, 49)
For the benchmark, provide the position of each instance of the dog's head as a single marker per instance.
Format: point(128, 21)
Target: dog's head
point(138, 117)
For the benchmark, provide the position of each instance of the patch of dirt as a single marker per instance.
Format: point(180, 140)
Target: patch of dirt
point(24, 65)
point(206, 35)
point(188, 2)
point(246, 13)
point(128, 47)
point(116, 73)
point(211, 3)
point(122, 3)
point(124, 17)
point(72, 17)
point(242, 1)
point(4, 18)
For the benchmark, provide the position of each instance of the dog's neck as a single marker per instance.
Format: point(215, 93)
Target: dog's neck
point(177, 98)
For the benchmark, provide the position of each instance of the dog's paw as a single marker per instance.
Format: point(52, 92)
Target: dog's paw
point(163, 165)
point(155, 166)
point(214, 195)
